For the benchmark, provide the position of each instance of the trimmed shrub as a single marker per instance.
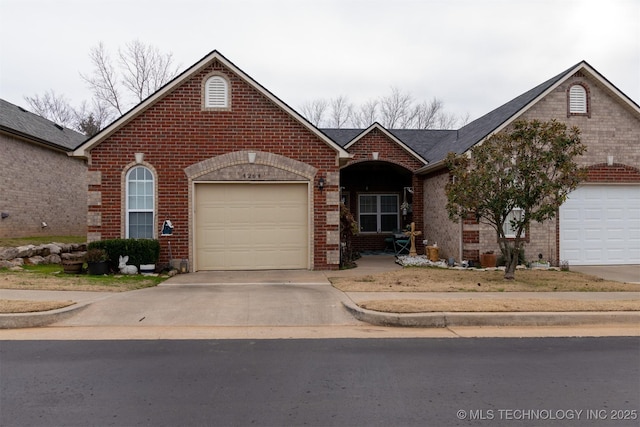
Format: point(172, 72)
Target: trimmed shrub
point(139, 251)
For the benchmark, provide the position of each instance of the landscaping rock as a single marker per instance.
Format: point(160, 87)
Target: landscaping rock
point(8, 253)
point(5, 264)
point(25, 251)
point(53, 259)
point(35, 260)
point(53, 248)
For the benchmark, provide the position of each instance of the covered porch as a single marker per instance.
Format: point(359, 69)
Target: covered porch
point(384, 198)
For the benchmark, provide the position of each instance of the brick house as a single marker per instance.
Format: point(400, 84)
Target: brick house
point(598, 224)
point(248, 183)
point(41, 183)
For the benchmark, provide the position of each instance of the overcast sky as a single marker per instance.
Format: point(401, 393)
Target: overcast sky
point(474, 55)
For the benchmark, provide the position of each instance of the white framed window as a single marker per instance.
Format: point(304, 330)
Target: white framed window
point(510, 231)
point(140, 202)
point(577, 99)
point(378, 213)
point(216, 92)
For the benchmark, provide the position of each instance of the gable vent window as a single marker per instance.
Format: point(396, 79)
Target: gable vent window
point(216, 92)
point(578, 100)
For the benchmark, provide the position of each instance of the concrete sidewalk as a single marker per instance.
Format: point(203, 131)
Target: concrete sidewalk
point(285, 299)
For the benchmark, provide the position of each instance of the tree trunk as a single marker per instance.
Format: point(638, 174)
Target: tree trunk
point(510, 271)
point(510, 252)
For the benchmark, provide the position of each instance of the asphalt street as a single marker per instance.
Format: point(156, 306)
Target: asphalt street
point(331, 382)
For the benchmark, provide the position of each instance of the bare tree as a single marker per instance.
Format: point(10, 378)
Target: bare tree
point(427, 113)
point(143, 70)
point(366, 115)
point(53, 107)
point(341, 111)
point(398, 110)
point(395, 109)
point(140, 71)
point(315, 111)
point(91, 118)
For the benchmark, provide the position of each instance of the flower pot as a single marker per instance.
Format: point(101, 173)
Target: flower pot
point(98, 268)
point(147, 268)
point(72, 267)
point(488, 260)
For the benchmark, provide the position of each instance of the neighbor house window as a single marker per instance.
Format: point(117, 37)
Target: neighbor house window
point(140, 203)
point(578, 100)
point(216, 92)
point(509, 230)
point(378, 212)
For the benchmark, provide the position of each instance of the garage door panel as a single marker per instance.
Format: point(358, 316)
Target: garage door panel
point(600, 225)
point(251, 226)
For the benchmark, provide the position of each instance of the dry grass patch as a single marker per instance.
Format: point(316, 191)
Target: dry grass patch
point(501, 305)
point(433, 279)
point(21, 306)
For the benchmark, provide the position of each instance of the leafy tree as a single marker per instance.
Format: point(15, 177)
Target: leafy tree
point(529, 167)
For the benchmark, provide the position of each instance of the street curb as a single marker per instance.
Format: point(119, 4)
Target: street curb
point(34, 320)
point(448, 319)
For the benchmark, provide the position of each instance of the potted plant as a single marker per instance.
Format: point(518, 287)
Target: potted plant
point(72, 265)
point(97, 262)
point(488, 259)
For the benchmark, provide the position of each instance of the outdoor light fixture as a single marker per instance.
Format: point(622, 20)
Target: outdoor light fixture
point(321, 184)
point(4, 215)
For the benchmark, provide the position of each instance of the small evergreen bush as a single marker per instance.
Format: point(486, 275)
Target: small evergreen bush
point(139, 251)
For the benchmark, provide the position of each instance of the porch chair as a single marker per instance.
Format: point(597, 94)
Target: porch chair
point(401, 244)
point(389, 246)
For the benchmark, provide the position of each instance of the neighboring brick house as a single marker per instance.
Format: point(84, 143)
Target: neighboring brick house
point(599, 223)
point(41, 183)
point(248, 183)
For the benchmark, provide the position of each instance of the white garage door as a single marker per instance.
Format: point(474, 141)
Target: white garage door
point(600, 225)
point(251, 226)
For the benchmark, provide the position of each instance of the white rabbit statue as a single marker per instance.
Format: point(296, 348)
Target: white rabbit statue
point(126, 269)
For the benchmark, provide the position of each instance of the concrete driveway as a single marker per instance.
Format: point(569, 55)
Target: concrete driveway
point(236, 298)
point(218, 305)
point(619, 273)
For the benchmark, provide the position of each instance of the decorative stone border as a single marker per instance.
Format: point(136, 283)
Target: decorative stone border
point(50, 253)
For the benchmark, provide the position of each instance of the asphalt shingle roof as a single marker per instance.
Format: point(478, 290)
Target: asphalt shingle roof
point(17, 120)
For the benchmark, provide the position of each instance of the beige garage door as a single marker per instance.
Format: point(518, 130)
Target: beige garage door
point(251, 226)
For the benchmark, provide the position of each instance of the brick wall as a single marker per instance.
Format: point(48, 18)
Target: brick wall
point(388, 151)
point(41, 185)
point(176, 133)
point(438, 227)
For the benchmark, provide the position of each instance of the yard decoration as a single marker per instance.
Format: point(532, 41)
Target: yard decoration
point(528, 168)
point(412, 233)
point(126, 269)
